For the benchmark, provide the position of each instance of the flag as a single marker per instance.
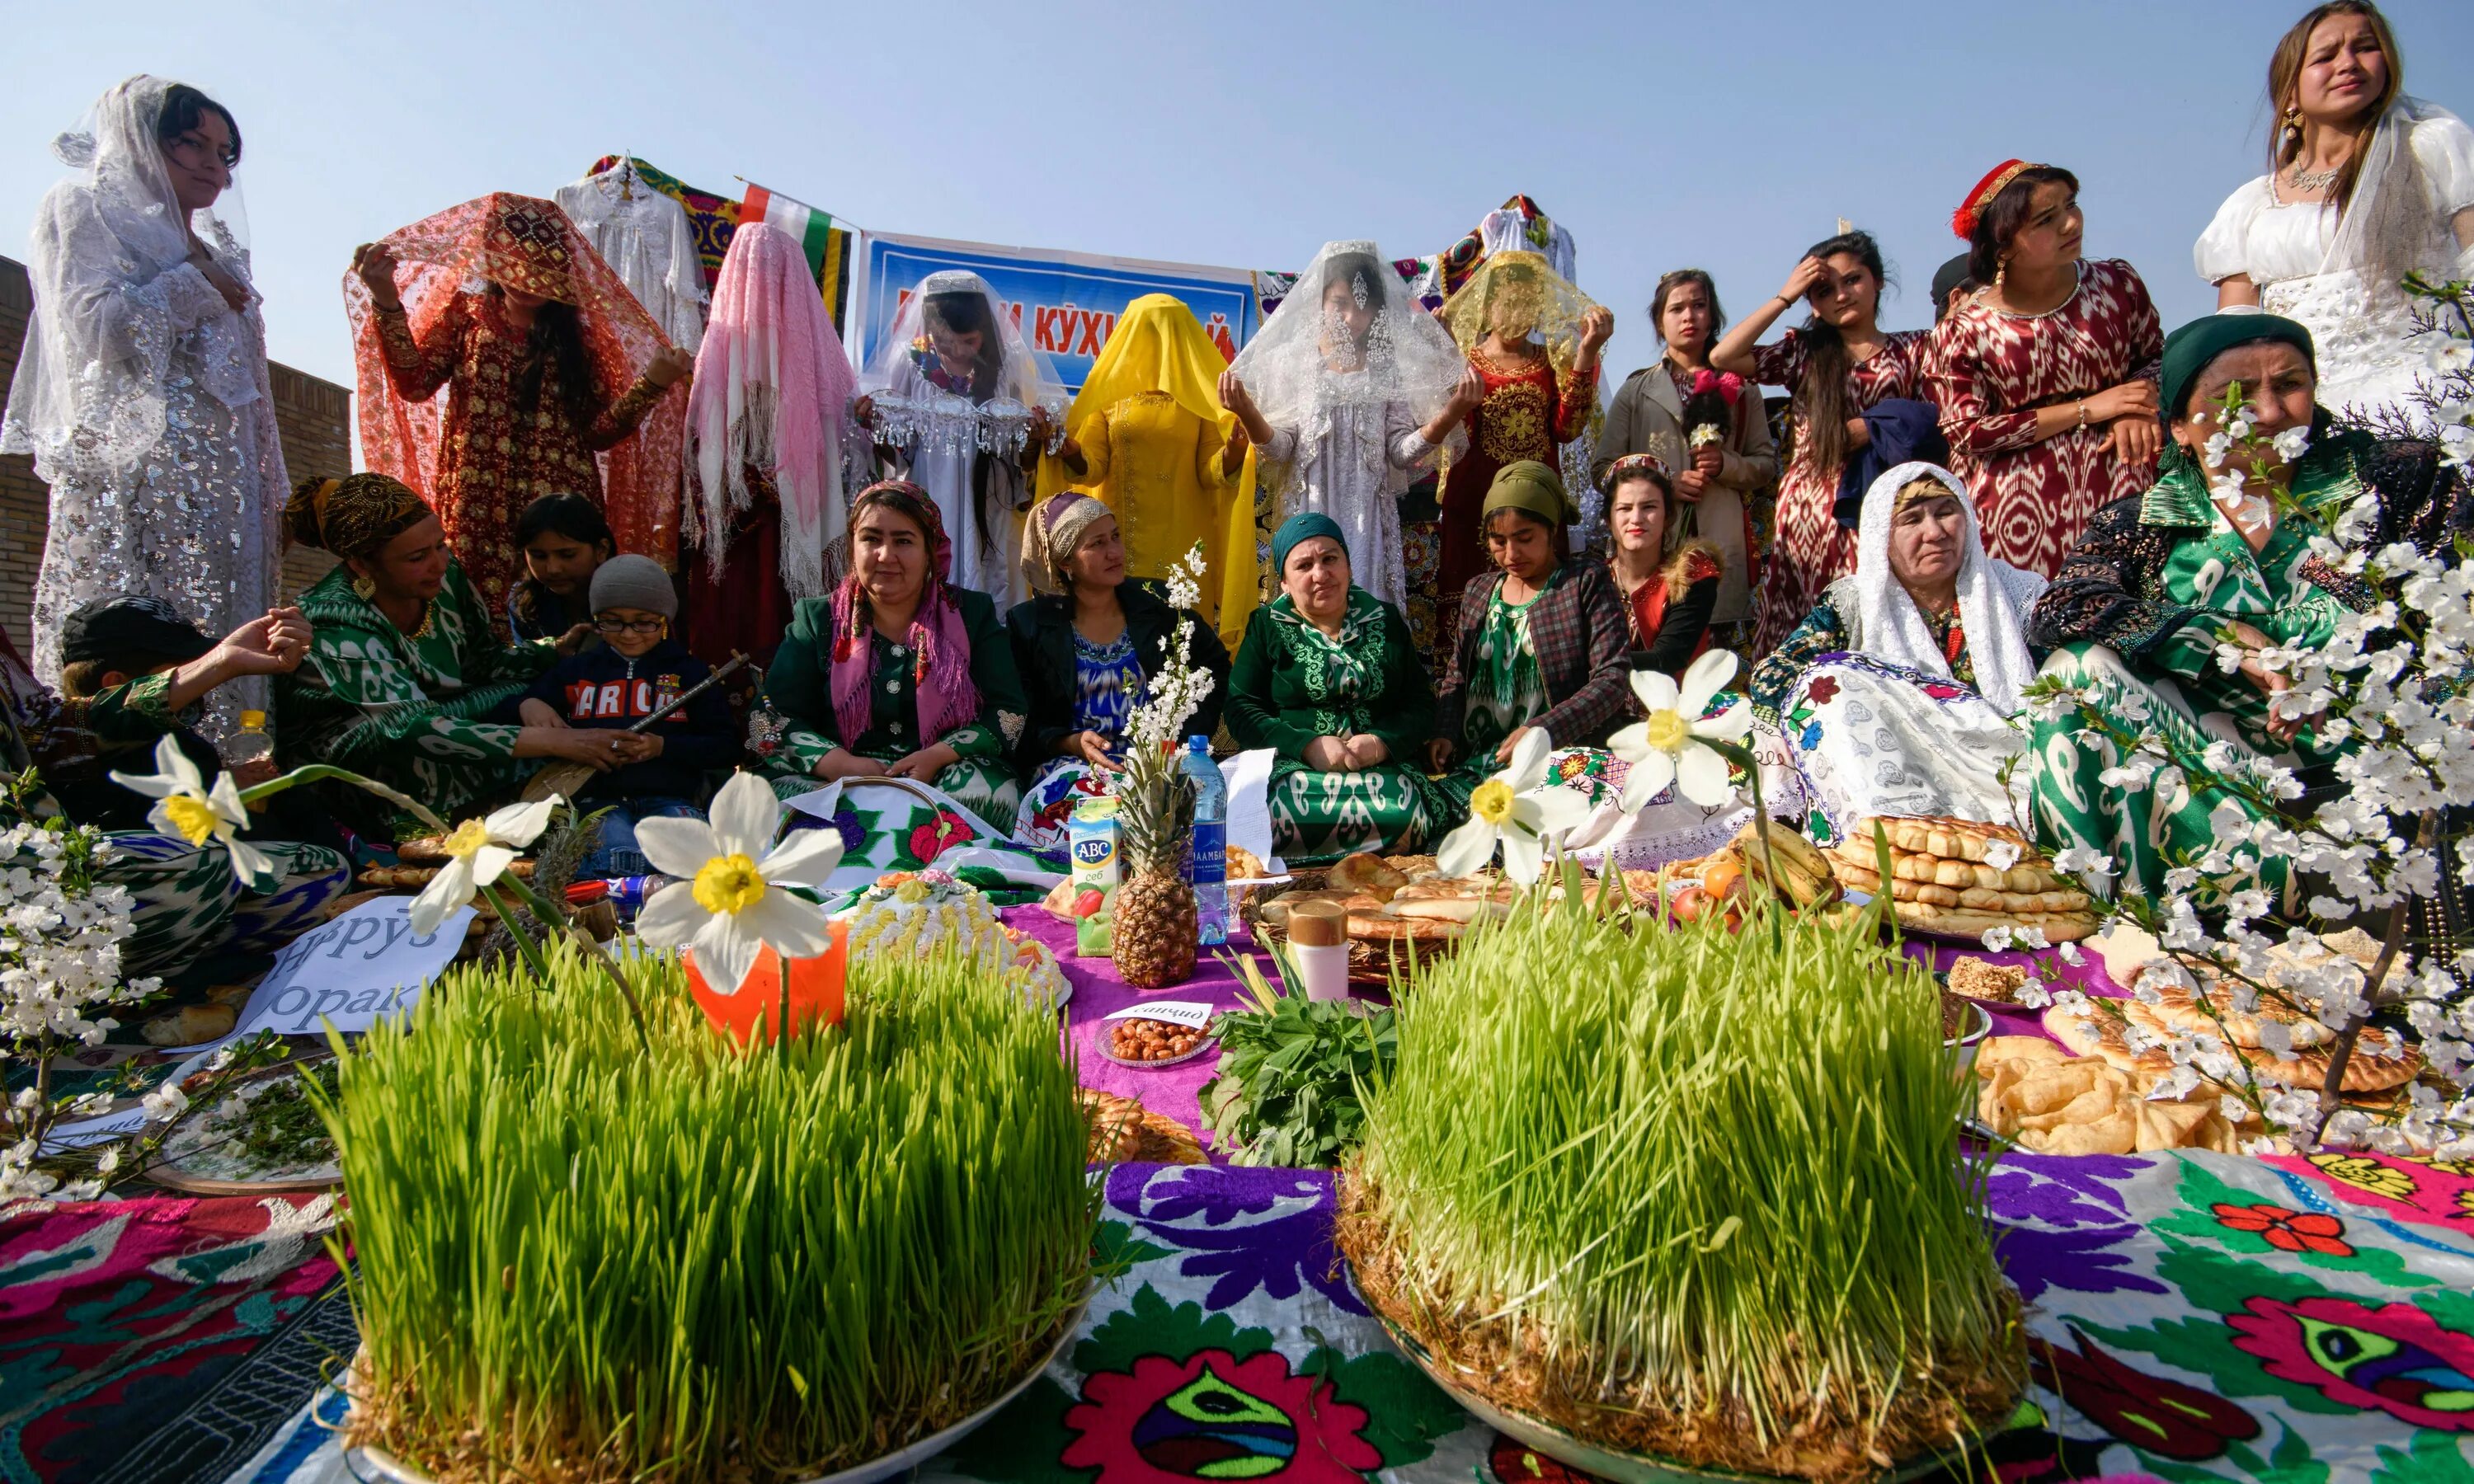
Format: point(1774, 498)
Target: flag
point(813, 230)
point(714, 217)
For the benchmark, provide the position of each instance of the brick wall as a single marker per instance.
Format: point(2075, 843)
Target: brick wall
point(314, 416)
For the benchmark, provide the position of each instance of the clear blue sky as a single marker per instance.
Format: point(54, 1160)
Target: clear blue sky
point(1726, 136)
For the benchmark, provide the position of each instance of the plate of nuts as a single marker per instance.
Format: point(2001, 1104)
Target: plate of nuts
point(1147, 1042)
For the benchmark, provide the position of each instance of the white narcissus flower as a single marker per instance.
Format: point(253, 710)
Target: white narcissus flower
point(478, 852)
point(1665, 748)
point(728, 902)
point(185, 806)
point(1518, 809)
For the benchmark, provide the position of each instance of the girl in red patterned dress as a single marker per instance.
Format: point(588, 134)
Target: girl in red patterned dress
point(1533, 339)
point(1836, 366)
point(2046, 377)
point(484, 401)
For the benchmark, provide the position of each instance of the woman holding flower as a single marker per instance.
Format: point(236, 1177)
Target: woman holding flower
point(899, 673)
point(1329, 678)
point(1084, 649)
point(1541, 644)
point(1896, 695)
point(404, 668)
point(2210, 568)
point(1708, 427)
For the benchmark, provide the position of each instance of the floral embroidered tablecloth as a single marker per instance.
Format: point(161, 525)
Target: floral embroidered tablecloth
point(2194, 1317)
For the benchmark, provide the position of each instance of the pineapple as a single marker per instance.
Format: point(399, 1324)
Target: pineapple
point(1153, 912)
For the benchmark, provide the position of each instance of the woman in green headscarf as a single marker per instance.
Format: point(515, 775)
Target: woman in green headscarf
point(1543, 643)
point(2217, 553)
point(1329, 678)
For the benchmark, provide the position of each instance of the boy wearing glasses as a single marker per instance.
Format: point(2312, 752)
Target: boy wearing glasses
point(635, 670)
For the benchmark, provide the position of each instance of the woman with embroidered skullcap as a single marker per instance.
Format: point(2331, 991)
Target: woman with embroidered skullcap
point(1346, 391)
point(2215, 562)
point(483, 400)
point(1329, 679)
point(141, 393)
point(404, 666)
point(901, 674)
point(1084, 649)
point(2045, 377)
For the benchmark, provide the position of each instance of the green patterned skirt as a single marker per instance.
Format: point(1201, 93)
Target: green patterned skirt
point(2145, 828)
point(983, 785)
point(186, 902)
point(1318, 817)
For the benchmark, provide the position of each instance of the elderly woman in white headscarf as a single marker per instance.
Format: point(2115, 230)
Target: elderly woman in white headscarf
point(1347, 388)
point(967, 406)
point(142, 392)
point(1899, 693)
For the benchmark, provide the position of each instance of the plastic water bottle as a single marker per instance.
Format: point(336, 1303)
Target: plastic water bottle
point(1207, 863)
point(251, 744)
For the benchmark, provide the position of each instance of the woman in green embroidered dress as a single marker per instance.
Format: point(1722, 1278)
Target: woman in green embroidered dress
point(1329, 678)
point(899, 673)
point(1543, 643)
point(2161, 582)
point(404, 670)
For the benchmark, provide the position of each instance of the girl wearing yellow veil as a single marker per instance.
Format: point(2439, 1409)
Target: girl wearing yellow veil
point(1151, 441)
point(1533, 339)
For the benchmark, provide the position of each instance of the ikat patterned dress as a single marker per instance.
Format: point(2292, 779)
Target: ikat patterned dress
point(408, 710)
point(1292, 684)
point(1809, 549)
point(2135, 615)
point(1990, 371)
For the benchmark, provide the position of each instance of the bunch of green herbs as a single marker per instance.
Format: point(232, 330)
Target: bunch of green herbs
point(1691, 1193)
point(1290, 1073)
point(580, 1261)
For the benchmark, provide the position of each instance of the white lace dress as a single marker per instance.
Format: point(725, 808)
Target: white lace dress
point(648, 242)
point(2366, 361)
point(195, 521)
point(1355, 474)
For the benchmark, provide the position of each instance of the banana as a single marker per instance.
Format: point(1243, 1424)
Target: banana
point(1799, 868)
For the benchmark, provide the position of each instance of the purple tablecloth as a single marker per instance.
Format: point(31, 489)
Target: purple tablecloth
point(1100, 991)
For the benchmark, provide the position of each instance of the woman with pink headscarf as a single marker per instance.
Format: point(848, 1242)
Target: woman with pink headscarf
point(900, 674)
point(768, 432)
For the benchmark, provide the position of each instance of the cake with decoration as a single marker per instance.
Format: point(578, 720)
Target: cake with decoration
point(914, 912)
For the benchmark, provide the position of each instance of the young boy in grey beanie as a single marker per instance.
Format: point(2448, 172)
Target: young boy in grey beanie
point(635, 670)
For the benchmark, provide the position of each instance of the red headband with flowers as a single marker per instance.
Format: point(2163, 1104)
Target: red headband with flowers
point(1963, 220)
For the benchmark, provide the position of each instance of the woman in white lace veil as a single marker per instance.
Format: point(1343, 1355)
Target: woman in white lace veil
point(141, 392)
point(1347, 388)
point(955, 393)
point(2365, 186)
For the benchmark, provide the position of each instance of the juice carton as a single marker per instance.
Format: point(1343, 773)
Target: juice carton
point(1091, 838)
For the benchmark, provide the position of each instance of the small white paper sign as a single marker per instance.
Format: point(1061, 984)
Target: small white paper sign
point(1192, 1014)
point(357, 970)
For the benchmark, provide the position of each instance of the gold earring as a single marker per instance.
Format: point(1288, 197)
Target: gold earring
point(2000, 268)
point(365, 589)
point(2291, 132)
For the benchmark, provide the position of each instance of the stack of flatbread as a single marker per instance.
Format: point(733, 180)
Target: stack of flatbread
point(1961, 879)
point(2382, 1061)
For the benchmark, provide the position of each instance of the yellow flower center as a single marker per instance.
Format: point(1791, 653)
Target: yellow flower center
point(191, 817)
point(728, 883)
point(1492, 801)
point(467, 839)
point(1668, 731)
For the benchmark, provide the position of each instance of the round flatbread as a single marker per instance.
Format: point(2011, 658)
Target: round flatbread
point(1973, 922)
point(1383, 927)
point(1977, 898)
point(1947, 838)
point(2178, 1011)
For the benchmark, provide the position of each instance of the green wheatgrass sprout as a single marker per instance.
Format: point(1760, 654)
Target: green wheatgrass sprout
point(579, 1263)
point(1690, 1192)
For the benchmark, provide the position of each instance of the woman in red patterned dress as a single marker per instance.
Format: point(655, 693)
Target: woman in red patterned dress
point(1836, 366)
point(548, 363)
point(2046, 377)
point(1533, 339)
